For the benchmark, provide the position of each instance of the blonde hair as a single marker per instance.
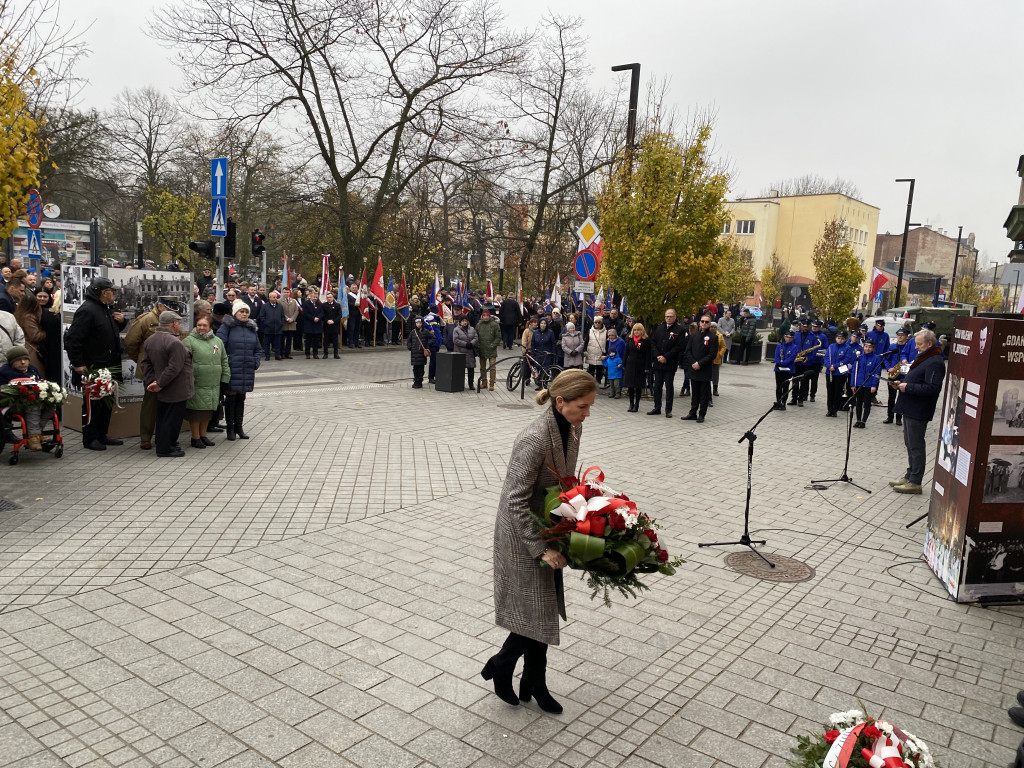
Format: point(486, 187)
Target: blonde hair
point(569, 385)
point(643, 331)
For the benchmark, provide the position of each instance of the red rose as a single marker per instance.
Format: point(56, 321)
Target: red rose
point(616, 521)
point(23, 390)
point(650, 534)
point(662, 556)
point(831, 736)
point(31, 398)
point(871, 732)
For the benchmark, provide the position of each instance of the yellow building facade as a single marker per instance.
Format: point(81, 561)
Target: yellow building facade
point(791, 225)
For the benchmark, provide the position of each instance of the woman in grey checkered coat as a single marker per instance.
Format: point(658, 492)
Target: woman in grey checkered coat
point(528, 594)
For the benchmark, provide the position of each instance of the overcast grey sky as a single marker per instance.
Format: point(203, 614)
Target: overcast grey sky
point(870, 91)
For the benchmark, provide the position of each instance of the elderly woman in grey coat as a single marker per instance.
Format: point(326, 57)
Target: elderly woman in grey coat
point(572, 347)
point(466, 340)
point(528, 594)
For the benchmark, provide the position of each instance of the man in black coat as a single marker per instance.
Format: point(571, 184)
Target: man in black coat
point(509, 317)
point(699, 352)
point(332, 323)
point(919, 392)
point(94, 341)
point(271, 323)
point(204, 281)
point(666, 344)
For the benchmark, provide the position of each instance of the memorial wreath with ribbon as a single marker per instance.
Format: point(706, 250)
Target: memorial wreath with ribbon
point(855, 741)
point(98, 385)
point(601, 532)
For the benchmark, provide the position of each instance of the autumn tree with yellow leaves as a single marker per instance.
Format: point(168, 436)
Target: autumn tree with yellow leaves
point(661, 216)
point(20, 153)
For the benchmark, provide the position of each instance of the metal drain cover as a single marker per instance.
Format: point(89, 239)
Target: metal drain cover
point(516, 406)
point(786, 570)
point(8, 506)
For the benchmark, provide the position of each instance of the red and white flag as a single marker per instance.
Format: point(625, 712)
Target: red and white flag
point(878, 280)
point(325, 276)
point(364, 299)
point(489, 295)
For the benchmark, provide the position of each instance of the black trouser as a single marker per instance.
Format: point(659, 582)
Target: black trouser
point(354, 321)
point(781, 377)
point(297, 340)
point(417, 375)
point(917, 453)
point(664, 377)
point(471, 377)
point(597, 371)
point(634, 396)
point(312, 344)
point(272, 340)
point(836, 385)
point(862, 402)
point(508, 335)
point(891, 402)
point(815, 373)
point(432, 368)
point(286, 343)
point(745, 345)
point(331, 339)
point(97, 428)
point(801, 388)
point(168, 424)
point(700, 396)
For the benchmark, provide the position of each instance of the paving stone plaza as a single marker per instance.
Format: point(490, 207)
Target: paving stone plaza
point(320, 595)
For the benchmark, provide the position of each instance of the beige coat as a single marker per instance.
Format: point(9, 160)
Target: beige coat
point(291, 309)
point(528, 596)
point(597, 346)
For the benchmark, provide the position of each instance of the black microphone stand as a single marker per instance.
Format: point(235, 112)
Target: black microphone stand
point(745, 540)
point(845, 477)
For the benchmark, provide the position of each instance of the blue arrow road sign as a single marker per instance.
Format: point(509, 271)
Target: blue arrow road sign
point(219, 217)
point(219, 177)
point(35, 242)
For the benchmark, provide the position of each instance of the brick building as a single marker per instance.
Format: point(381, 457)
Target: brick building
point(928, 250)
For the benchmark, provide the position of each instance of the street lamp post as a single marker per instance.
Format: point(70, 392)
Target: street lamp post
point(952, 283)
point(634, 96)
point(469, 267)
point(501, 272)
point(906, 231)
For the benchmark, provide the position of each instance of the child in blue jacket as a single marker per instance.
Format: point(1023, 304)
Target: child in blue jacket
point(785, 367)
point(613, 363)
point(839, 360)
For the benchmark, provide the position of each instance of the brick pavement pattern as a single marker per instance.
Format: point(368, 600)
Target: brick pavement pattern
point(320, 595)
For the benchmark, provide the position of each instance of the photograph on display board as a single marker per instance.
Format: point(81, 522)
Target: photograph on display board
point(74, 281)
point(1008, 417)
point(945, 538)
point(138, 291)
point(952, 413)
point(1004, 475)
point(992, 559)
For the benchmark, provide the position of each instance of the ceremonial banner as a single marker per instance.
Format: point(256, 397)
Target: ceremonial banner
point(377, 287)
point(975, 537)
point(388, 310)
point(364, 299)
point(325, 276)
point(403, 300)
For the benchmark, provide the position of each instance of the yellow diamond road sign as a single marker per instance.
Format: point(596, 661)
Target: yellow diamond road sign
point(588, 232)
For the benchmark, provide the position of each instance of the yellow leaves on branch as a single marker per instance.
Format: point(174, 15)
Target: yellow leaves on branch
point(19, 147)
point(837, 273)
point(660, 222)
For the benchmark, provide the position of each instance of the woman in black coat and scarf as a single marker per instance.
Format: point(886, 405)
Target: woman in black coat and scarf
point(636, 364)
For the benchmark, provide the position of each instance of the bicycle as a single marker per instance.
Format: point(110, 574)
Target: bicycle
point(542, 374)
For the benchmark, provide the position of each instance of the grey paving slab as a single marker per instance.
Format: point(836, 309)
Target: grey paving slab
point(333, 607)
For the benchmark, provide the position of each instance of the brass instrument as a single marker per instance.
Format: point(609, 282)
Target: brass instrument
point(801, 356)
point(894, 372)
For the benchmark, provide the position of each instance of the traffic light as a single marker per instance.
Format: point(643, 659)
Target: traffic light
point(229, 243)
point(205, 248)
point(257, 243)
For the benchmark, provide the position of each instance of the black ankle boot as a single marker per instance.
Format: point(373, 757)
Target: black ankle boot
point(533, 683)
point(495, 669)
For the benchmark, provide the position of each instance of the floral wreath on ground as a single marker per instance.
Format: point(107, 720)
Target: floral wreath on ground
point(600, 532)
point(855, 741)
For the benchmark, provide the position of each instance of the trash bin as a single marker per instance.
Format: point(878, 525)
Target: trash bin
point(451, 371)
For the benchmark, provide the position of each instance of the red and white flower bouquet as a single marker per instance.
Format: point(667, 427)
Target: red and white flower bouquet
point(601, 532)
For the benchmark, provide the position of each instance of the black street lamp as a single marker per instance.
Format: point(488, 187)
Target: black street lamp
point(956, 258)
point(906, 231)
point(634, 96)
